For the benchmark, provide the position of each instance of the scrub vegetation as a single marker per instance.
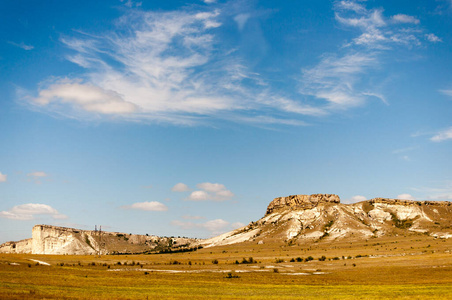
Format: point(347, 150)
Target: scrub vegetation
point(397, 267)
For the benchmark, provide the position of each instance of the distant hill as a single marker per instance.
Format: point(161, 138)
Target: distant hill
point(47, 239)
point(292, 219)
point(304, 218)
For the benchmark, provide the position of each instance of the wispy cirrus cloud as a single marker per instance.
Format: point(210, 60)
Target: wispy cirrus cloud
point(442, 135)
point(30, 210)
point(342, 80)
point(37, 176)
point(22, 45)
point(174, 67)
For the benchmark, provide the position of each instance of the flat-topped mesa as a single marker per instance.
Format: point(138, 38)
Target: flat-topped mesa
point(301, 201)
point(404, 202)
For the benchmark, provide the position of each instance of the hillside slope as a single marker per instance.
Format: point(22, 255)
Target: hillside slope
point(47, 239)
point(300, 218)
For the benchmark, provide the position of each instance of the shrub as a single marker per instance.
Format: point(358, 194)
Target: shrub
point(230, 275)
point(299, 259)
point(323, 258)
point(215, 261)
point(279, 260)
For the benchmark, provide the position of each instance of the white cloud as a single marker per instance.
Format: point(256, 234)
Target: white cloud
point(334, 79)
point(22, 45)
point(377, 31)
point(241, 20)
point(3, 177)
point(37, 176)
point(442, 135)
point(85, 97)
point(447, 92)
point(198, 196)
point(441, 192)
point(357, 198)
point(405, 197)
point(209, 1)
point(30, 210)
point(215, 227)
point(180, 187)
point(147, 206)
point(433, 38)
point(130, 3)
point(211, 192)
point(237, 225)
point(166, 67)
point(401, 18)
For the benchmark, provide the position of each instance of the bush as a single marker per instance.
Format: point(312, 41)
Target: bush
point(279, 260)
point(230, 275)
point(215, 261)
point(299, 259)
point(323, 258)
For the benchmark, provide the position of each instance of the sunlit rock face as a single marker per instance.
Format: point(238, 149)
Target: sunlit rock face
point(48, 239)
point(307, 218)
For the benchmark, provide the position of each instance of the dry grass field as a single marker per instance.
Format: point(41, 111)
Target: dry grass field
point(410, 267)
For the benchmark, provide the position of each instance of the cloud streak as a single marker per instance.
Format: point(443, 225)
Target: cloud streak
point(30, 210)
point(147, 206)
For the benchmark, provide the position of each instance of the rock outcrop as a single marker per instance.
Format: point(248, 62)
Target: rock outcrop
point(299, 218)
point(295, 202)
point(47, 239)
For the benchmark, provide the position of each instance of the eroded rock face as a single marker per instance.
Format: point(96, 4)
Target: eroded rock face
point(48, 239)
point(299, 218)
point(299, 202)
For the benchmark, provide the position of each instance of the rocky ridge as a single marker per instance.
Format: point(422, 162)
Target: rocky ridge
point(48, 239)
point(307, 218)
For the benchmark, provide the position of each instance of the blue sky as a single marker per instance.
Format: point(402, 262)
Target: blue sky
point(188, 118)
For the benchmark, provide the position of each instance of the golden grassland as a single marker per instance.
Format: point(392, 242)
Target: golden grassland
point(411, 267)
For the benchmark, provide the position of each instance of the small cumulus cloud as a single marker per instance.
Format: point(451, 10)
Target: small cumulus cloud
point(147, 206)
point(433, 38)
point(211, 192)
point(3, 177)
point(30, 210)
point(37, 176)
point(401, 18)
point(357, 198)
point(442, 135)
point(86, 97)
point(405, 197)
point(180, 187)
